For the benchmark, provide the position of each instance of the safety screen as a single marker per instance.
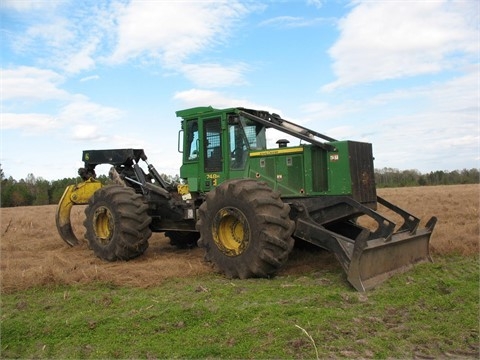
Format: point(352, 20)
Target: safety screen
point(213, 145)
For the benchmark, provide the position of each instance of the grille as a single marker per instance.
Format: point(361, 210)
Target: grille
point(362, 172)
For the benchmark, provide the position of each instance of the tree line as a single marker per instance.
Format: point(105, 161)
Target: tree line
point(390, 177)
point(38, 191)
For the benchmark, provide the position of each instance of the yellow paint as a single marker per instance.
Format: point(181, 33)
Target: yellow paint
point(280, 151)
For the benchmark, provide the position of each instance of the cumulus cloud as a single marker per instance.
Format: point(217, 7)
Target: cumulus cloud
point(171, 31)
point(25, 82)
point(29, 122)
point(419, 125)
point(87, 132)
point(29, 5)
point(215, 75)
point(89, 78)
point(287, 21)
point(382, 40)
point(81, 110)
point(72, 39)
point(63, 37)
point(28, 84)
point(216, 99)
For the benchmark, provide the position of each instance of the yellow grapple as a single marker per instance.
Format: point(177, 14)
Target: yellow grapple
point(78, 194)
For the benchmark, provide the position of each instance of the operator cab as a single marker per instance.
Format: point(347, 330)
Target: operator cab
point(216, 145)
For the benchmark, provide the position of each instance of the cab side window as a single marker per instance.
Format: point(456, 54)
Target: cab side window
point(192, 141)
point(238, 147)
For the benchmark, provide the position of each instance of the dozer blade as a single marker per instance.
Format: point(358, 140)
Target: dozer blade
point(368, 256)
point(374, 261)
point(73, 195)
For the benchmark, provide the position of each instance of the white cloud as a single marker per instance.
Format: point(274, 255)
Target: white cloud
point(29, 122)
point(28, 5)
point(55, 33)
point(69, 38)
point(198, 97)
point(391, 39)
point(87, 132)
point(73, 39)
point(317, 3)
point(325, 111)
point(171, 31)
point(80, 60)
point(28, 85)
point(89, 78)
point(287, 21)
point(26, 82)
point(82, 110)
point(215, 75)
point(445, 128)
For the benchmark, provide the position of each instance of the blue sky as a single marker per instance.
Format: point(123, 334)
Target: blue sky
point(75, 75)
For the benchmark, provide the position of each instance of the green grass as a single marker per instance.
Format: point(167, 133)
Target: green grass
point(432, 311)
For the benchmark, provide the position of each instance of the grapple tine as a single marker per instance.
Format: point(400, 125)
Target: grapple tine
point(374, 261)
point(73, 195)
point(62, 217)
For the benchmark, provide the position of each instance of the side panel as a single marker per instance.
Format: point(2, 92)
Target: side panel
point(338, 163)
point(311, 171)
point(283, 169)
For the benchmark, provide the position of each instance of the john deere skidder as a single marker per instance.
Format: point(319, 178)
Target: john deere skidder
point(246, 203)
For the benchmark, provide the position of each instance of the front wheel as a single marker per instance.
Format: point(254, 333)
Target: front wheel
point(117, 223)
point(245, 229)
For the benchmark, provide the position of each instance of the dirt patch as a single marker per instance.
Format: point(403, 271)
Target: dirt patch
point(32, 252)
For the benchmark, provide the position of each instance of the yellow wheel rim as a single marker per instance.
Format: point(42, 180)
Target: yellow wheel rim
point(230, 231)
point(103, 225)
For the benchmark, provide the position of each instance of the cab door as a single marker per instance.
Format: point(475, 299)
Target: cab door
point(212, 142)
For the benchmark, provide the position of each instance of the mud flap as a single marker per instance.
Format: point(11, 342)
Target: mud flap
point(374, 261)
point(73, 195)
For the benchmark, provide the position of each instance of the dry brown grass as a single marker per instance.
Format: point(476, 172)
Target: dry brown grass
point(457, 210)
point(32, 252)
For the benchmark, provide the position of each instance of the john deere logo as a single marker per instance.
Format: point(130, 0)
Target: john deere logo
point(87, 156)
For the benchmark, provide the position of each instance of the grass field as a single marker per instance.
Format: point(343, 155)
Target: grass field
point(62, 302)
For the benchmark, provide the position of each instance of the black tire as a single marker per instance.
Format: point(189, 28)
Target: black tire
point(183, 239)
point(245, 229)
point(117, 223)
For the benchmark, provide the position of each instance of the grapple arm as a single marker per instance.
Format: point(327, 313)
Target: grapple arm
point(73, 195)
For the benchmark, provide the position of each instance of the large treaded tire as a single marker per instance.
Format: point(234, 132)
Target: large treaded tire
point(245, 229)
point(117, 223)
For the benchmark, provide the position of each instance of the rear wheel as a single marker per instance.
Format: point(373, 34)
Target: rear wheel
point(117, 223)
point(245, 229)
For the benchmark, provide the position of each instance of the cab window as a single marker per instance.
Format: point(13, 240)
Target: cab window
point(192, 143)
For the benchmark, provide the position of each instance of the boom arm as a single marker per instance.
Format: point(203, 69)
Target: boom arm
point(276, 122)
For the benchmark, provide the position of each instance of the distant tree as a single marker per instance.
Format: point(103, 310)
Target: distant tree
point(20, 194)
point(57, 188)
point(6, 192)
point(41, 192)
